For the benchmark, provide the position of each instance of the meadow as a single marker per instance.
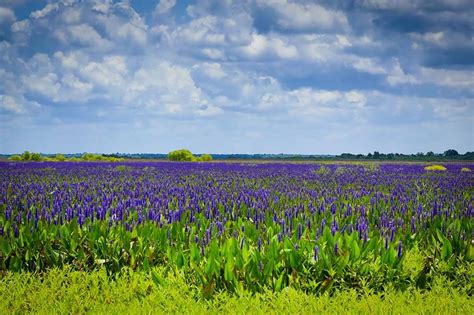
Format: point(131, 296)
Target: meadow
point(217, 235)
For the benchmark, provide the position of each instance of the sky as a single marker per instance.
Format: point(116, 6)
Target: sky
point(243, 76)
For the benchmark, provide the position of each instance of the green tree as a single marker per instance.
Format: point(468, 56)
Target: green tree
point(451, 153)
point(60, 157)
point(206, 157)
point(26, 156)
point(15, 158)
point(35, 157)
point(181, 155)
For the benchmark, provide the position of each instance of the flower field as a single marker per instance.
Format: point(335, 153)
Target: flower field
point(232, 226)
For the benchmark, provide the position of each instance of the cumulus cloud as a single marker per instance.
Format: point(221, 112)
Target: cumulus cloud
point(6, 16)
point(9, 104)
point(164, 6)
point(247, 64)
point(294, 16)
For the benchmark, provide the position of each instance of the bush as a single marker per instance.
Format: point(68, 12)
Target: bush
point(206, 157)
point(15, 158)
point(60, 157)
point(26, 156)
point(35, 157)
point(465, 169)
point(181, 155)
point(435, 168)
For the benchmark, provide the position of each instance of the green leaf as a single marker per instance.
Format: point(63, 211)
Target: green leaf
point(229, 271)
point(156, 278)
point(447, 249)
point(355, 250)
point(279, 283)
point(180, 259)
point(5, 248)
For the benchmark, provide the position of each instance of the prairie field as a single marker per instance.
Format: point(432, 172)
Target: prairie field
point(236, 237)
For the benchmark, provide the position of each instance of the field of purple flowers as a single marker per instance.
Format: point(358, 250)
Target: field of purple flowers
point(231, 225)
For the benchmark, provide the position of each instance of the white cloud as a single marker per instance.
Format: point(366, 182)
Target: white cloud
point(212, 70)
point(39, 14)
point(306, 16)
point(164, 6)
point(110, 72)
point(6, 16)
point(46, 85)
point(83, 34)
point(9, 104)
point(356, 98)
point(367, 65)
point(213, 53)
point(262, 46)
point(458, 79)
point(398, 76)
point(21, 26)
point(461, 79)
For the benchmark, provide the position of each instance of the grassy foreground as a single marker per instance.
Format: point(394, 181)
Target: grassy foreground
point(62, 291)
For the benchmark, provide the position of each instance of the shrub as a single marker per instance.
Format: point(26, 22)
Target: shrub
point(26, 156)
point(15, 158)
point(465, 169)
point(181, 155)
point(60, 157)
point(206, 157)
point(35, 157)
point(435, 168)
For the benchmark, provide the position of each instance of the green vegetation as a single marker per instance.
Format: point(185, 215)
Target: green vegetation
point(435, 168)
point(37, 157)
point(185, 155)
point(63, 291)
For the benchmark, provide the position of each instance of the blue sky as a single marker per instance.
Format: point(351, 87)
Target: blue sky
point(248, 76)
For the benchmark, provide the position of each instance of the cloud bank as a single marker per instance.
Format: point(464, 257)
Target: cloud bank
point(236, 76)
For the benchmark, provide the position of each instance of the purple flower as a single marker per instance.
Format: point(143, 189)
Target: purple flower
point(242, 243)
point(316, 252)
point(399, 253)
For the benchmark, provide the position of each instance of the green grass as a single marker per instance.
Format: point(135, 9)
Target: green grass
point(63, 291)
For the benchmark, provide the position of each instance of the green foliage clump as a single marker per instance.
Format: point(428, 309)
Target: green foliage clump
point(435, 168)
point(90, 157)
point(205, 158)
point(322, 170)
point(123, 168)
point(15, 158)
point(27, 156)
point(60, 157)
point(37, 157)
point(65, 291)
point(185, 155)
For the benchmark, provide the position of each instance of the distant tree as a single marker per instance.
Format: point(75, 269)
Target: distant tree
point(15, 158)
point(60, 157)
point(369, 156)
point(430, 153)
point(206, 157)
point(26, 156)
point(35, 157)
point(468, 156)
point(451, 153)
point(181, 155)
point(376, 155)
